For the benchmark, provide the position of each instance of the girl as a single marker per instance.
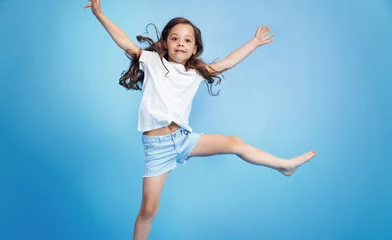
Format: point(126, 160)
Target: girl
point(169, 72)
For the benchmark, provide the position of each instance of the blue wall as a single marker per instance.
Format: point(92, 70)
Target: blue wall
point(71, 155)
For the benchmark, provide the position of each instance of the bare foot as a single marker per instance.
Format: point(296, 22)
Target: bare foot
point(293, 163)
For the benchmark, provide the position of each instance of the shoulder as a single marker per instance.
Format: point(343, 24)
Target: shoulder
point(142, 54)
point(146, 55)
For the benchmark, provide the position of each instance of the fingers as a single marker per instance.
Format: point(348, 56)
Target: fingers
point(265, 30)
point(261, 35)
point(269, 39)
point(259, 30)
point(88, 5)
point(262, 31)
point(270, 36)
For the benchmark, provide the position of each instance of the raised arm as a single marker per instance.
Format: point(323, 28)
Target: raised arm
point(241, 53)
point(119, 37)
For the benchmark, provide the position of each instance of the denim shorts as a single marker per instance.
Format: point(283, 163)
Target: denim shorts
point(162, 153)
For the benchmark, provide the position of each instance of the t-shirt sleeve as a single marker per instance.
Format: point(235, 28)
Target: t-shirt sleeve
point(144, 58)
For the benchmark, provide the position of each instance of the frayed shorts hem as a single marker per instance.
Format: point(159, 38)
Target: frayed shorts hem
point(156, 174)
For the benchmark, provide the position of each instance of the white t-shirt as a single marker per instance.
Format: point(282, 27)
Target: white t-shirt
point(167, 95)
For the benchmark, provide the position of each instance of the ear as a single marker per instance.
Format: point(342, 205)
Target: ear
point(194, 50)
point(165, 44)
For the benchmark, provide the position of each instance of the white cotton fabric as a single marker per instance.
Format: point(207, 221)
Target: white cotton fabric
point(167, 94)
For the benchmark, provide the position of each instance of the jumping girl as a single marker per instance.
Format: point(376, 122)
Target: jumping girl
point(169, 73)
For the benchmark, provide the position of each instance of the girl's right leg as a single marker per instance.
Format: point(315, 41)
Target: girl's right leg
point(152, 188)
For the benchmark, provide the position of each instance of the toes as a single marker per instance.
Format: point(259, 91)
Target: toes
point(313, 153)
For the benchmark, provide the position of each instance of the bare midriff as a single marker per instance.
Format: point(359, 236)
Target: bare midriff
point(172, 127)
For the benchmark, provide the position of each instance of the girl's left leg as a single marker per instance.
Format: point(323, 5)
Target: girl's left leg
point(212, 144)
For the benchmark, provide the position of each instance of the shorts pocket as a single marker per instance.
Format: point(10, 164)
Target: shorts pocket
point(150, 147)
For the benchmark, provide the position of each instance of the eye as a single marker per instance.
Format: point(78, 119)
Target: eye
point(174, 38)
point(188, 40)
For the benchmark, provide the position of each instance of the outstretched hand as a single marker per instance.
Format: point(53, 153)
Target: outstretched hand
point(261, 37)
point(95, 6)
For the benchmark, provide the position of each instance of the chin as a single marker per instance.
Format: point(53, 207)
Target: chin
point(179, 60)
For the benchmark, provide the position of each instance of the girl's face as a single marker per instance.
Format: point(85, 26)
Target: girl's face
point(180, 43)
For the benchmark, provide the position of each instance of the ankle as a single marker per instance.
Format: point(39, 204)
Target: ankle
point(287, 164)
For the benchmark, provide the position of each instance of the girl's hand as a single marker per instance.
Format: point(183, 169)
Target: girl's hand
point(261, 37)
point(95, 6)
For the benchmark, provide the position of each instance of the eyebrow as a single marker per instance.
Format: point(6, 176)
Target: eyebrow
point(177, 35)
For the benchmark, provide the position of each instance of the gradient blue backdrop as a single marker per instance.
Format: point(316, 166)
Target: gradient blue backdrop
point(71, 155)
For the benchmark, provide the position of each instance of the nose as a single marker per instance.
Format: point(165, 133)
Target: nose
point(181, 42)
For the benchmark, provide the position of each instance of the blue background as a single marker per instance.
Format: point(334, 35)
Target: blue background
point(71, 155)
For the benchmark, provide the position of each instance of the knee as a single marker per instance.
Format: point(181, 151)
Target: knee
point(236, 140)
point(148, 211)
point(236, 143)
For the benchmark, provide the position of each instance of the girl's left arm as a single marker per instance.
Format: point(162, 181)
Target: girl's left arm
point(241, 53)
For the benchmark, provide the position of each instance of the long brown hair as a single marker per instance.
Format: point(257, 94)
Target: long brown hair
point(133, 78)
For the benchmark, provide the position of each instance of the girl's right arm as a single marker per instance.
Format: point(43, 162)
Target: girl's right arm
point(119, 37)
